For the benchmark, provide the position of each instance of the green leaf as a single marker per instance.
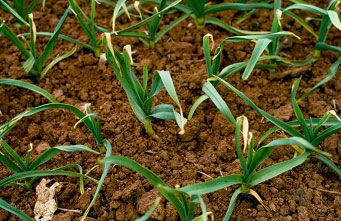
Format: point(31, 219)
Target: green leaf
point(43, 158)
point(39, 173)
point(258, 37)
point(56, 60)
point(329, 163)
point(302, 22)
point(106, 169)
point(4, 205)
point(168, 83)
point(295, 141)
point(212, 185)
point(7, 162)
point(298, 113)
point(197, 7)
point(133, 165)
point(236, 6)
point(148, 214)
point(163, 111)
point(258, 157)
point(14, 39)
point(52, 42)
point(63, 37)
point(310, 8)
point(170, 26)
point(157, 85)
point(13, 154)
point(76, 148)
point(261, 45)
point(207, 52)
point(94, 127)
point(145, 78)
point(284, 126)
point(213, 94)
point(171, 195)
point(81, 17)
point(326, 133)
point(313, 122)
point(331, 73)
point(275, 170)
point(217, 22)
point(203, 217)
point(232, 204)
point(145, 21)
point(7, 7)
point(196, 104)
point(323, 46)
point(28, 64)
point(29, 86)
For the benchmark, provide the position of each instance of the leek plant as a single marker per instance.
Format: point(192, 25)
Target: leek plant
point(88, 26)
point(213, 64)
point(90, 119)
point(183, 203)
point(313, 132)
point(269, 42)
point(25, 172)
point(153, 35)
point(92, 30)
point(34, 64)
point(18, 10)
point(140, 98)
point(200, 11)
point(249, 176)
point(330, 16)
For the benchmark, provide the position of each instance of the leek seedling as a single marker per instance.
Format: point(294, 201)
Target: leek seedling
point(34, 64)
point(329, 17)
point(200, 11)
point(313, 133)
point(88, 26)
point(140, 98)
point(249, 177)
point(91, 29)
point(213, 64)
point(27, 170)
point(18, 9)
point(153, 34)
point(175, 196)
point(34, 175)
point(90, 119)
point(330, 75)
point(11, 159)
point(28, 86)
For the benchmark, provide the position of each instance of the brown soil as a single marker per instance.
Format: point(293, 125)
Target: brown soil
point(309, 192)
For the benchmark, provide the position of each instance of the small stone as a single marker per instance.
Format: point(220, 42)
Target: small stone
point(303, 214)
point(116, 195)
point(42, 146)
point(58, 93)
point(272, 206)
point(34, 130)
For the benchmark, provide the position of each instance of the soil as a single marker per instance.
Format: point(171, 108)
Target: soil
point(308, 192)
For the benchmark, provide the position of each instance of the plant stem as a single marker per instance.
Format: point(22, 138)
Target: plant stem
point(148, 127)
point(316, 54)
point(200, 23)
point(245, 188)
